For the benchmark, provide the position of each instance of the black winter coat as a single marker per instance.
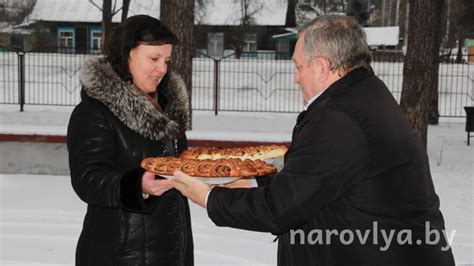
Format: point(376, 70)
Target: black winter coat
point(110, 132)
point(354, 168)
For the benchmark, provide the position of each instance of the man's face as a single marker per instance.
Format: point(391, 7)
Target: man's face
point(306, 75)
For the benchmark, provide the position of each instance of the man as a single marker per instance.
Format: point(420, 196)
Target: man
point(356, 187)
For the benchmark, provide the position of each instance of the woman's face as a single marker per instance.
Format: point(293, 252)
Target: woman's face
point(148, 64)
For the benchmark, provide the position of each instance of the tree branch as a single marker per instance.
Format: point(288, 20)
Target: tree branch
point(93, 3)
point(116, 11)
point(113, 8)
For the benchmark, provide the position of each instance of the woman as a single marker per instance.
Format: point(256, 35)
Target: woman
point(131, 108)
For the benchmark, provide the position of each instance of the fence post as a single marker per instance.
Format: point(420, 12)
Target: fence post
point(216, 86)
point(21, 79)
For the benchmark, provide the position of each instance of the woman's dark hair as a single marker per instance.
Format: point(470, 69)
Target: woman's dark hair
point(135, 30)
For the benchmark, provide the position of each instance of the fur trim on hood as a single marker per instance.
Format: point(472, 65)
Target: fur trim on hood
point(132, 107)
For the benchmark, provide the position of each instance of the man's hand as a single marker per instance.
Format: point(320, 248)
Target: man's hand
point(192, 188)
point(155, 187)
point(240, 183)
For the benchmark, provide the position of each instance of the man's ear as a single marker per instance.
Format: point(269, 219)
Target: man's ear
point(324, 68)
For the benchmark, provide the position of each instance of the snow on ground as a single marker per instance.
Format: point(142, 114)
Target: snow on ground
point(41, 219)
point(40, 216)
point(452, 168)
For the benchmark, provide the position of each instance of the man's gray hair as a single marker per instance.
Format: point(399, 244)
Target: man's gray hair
point(339, 39)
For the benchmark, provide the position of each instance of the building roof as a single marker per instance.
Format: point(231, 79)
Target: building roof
point(376, 36)
point(216, 12)
point(388, 36)
point(469, 42)
point(225, 12)
point(85, 11)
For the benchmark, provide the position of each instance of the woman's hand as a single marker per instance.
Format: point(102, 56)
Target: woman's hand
point(155, 187)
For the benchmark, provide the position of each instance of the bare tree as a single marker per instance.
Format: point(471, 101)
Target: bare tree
point(323, 5)
point(446, 27)
point(359, 10)
point(420, 71)
point(16, 14)
point(106, 20)
point(247, 18)
point(125, 6)
point(306, 12)
point(291, 13)
point(463, 22)
point(108, 11)
point(200, 11)
point(178, 15)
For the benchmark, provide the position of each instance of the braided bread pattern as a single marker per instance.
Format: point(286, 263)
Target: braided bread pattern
point(261, 152)
point(208, 168)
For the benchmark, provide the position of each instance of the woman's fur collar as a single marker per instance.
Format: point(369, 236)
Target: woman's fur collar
point(132, 107)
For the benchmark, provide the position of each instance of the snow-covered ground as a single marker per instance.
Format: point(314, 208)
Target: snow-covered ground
point(41, 217)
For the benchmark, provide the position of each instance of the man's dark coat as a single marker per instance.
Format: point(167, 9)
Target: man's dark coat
point(354, 164)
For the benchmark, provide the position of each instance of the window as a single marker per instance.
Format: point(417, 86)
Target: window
point(66, 40)
point(282, 46)
point(282, 49)
point(16, 40)
point(250, 43)
point(215, 44)
point(96, 40)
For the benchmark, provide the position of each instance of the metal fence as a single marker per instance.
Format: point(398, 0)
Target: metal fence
point(257, 82)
